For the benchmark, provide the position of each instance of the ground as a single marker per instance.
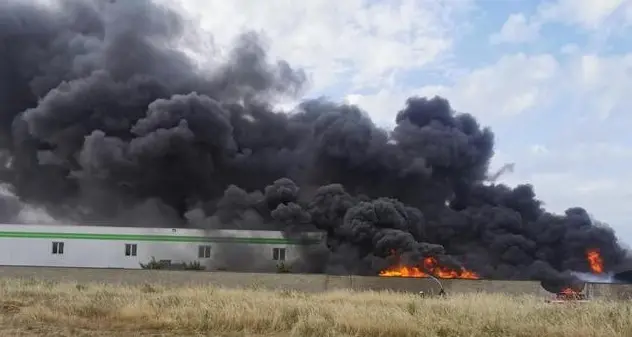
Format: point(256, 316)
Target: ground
point(35, 308)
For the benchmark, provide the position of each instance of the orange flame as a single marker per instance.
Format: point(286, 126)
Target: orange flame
point(594, 261)
point(568, 294)
point(568, 291)
point(430, 264)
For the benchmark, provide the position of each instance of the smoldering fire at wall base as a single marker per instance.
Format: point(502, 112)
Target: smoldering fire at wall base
point(104, 118)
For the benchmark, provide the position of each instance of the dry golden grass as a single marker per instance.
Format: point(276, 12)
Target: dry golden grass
point(33, 308)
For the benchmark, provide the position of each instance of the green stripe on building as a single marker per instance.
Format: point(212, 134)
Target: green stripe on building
point(155, 238)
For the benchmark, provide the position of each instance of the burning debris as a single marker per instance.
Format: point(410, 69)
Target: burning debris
point(570, 294)
point(98, 104)
point(428, 267)
point(565, 291)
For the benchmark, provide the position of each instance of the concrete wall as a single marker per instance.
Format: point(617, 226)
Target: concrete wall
point(300, 282)
point(414, 285)
point(610, 291)
point(495, 286)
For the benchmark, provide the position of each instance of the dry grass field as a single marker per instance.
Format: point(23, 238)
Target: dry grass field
point(33, 308)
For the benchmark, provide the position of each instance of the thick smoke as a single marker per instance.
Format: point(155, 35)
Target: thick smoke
point(104, 118)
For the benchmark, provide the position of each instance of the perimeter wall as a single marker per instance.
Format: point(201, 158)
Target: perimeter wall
point(300, 282)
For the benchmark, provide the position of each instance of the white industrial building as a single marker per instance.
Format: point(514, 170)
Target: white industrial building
point(128, 247)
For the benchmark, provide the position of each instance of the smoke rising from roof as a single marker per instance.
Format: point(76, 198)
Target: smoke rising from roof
point(104, 117)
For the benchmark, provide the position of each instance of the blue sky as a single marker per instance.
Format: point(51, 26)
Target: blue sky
point(552, 78)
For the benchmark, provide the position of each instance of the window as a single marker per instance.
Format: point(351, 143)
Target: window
point(204, 252)
point(130, 249)
point(278, 254)
point(58, 248)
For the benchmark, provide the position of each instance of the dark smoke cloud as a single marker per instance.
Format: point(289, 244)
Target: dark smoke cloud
point(104, 118)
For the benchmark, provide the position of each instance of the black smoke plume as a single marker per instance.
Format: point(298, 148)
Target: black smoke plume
point(105, 118)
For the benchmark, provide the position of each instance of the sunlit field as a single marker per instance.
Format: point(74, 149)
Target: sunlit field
point(33, 308)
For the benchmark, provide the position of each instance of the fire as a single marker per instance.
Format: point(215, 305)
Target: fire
point(430, 264)
point(595, 261)
point(568, 291)
point(568, 294)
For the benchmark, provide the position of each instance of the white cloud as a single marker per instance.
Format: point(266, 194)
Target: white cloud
point(596, 87)
point(598, 150)
point(360, 41)
point(591, 15)
point(603, 83)
point(577, 155)
point(588, 14)
point(570, 49)
point(517, 29)
point(383, 105)
point(511, 86)
point(539, 149)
